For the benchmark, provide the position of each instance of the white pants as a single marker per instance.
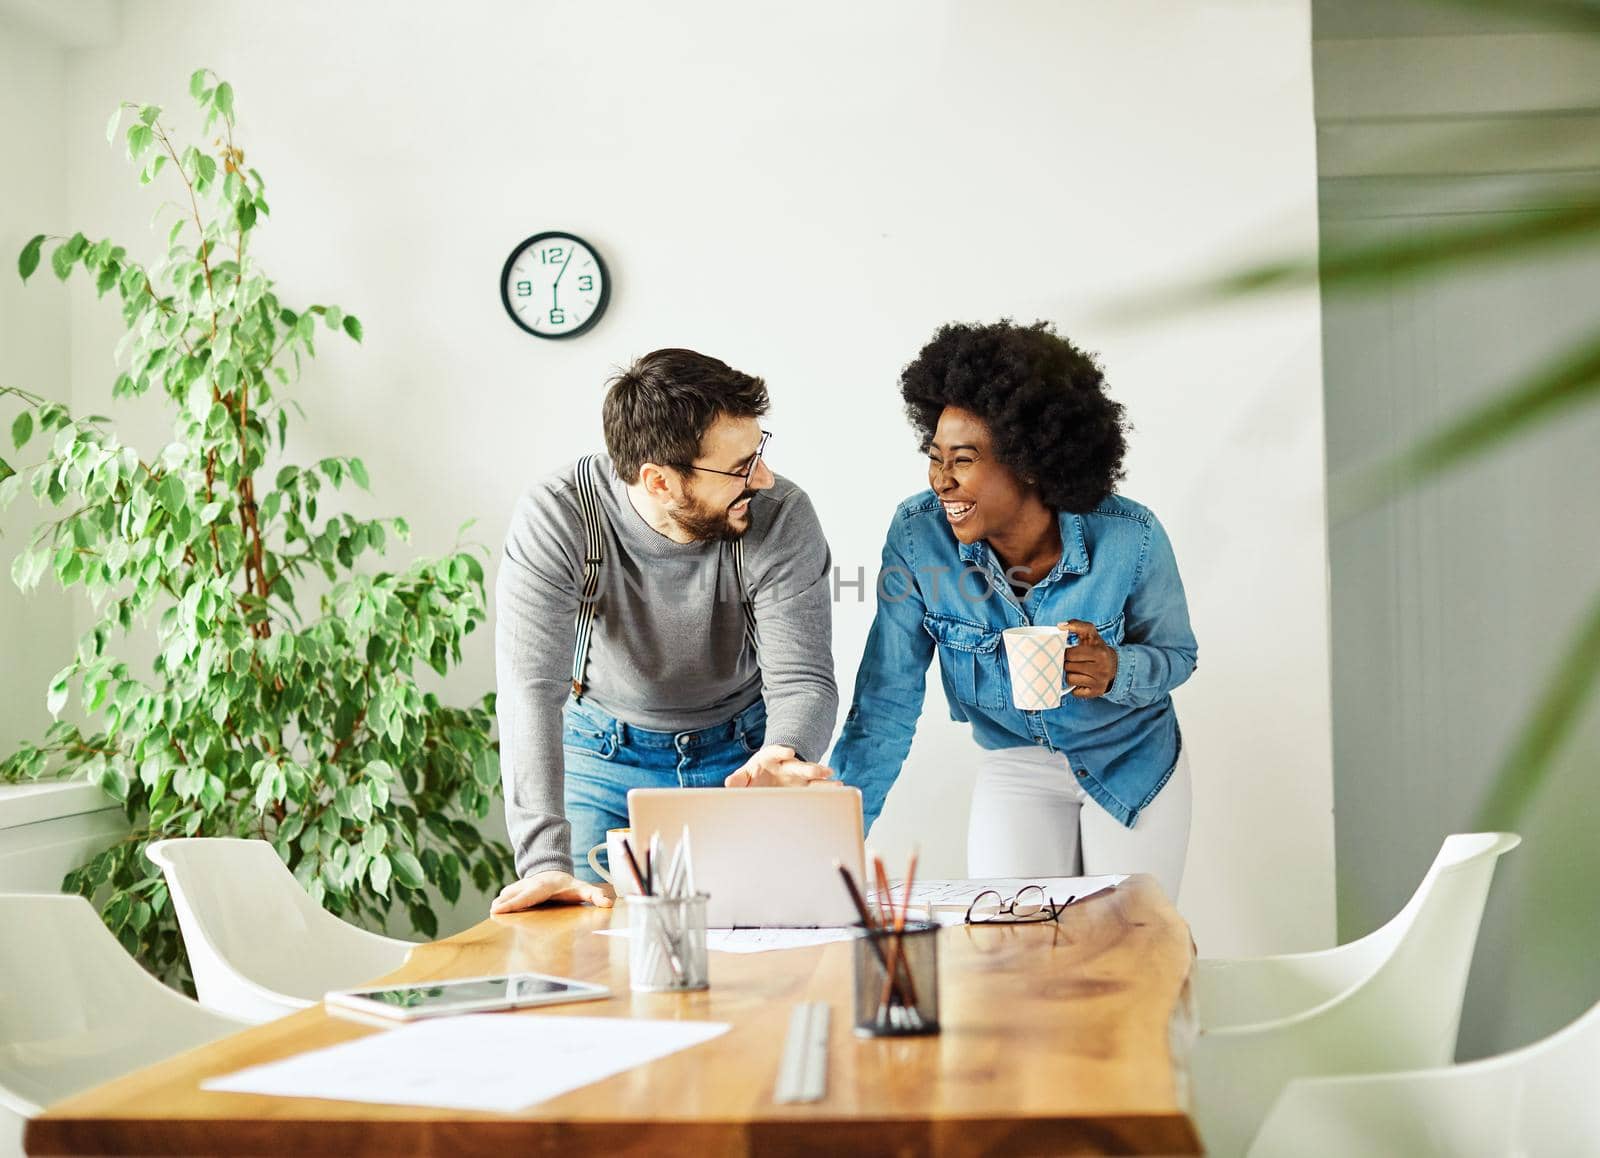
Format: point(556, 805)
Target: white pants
point(1031, 818)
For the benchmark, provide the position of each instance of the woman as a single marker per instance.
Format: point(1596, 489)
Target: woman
point(1021, 527)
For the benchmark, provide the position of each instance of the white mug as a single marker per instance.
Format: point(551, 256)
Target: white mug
point(616, 872)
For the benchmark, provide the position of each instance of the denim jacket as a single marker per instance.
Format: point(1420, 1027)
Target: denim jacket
point(1116, 571)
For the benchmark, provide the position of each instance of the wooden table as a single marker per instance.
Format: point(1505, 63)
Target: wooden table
point(1056, 1040)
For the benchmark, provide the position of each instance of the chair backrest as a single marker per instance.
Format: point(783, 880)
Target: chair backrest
point(1558, 1091)
point(75, 1009)
point(1403, 1015)
point(249, 927)
point(1538, 1101)
point(1256, 989)
point(1414, 995)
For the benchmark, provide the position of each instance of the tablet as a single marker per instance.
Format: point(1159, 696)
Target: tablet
point(464, 995)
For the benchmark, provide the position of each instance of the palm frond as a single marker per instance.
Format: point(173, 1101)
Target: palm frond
point(1500, 237)
point(1559, 710)
point(1578, 15)
point(1572, 379)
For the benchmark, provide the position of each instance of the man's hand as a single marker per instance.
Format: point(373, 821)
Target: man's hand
point(1092, 664)
point(775, 766)
point(549, 886)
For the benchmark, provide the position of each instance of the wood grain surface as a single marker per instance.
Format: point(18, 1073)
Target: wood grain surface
point(1061, 1039)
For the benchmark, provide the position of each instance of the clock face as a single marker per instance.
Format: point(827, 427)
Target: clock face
point(554, 285)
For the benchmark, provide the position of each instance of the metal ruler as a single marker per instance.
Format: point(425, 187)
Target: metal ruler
point(803, 1075)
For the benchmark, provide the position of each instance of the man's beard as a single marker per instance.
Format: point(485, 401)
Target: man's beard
point(711, 526)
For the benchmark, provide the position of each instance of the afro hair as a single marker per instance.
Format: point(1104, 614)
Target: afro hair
point(1043, 399)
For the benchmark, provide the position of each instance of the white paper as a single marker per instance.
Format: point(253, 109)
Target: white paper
point(959, 894)
point(759, 940)
point(481, 1061)
point(766, 940)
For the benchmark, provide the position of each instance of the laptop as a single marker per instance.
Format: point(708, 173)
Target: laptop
point(765, 855)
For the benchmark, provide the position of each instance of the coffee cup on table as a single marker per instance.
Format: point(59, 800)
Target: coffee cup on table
point(1037, 659)
point(615, 871)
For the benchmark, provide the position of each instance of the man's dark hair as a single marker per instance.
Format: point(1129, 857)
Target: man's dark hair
point(659, 408)
point(1043, 399)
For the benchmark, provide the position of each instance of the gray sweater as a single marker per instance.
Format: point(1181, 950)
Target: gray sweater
point(666, 652)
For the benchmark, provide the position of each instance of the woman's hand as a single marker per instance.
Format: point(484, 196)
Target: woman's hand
point(1091, 665)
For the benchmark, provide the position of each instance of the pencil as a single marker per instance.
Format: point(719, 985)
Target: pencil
point(897, 956)
point(633, 867)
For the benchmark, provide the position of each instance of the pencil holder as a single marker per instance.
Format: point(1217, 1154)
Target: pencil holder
point(667, 943)
point(907, 1003)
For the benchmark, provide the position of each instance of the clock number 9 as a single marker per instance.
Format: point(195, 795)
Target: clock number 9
point(524, 289)
point(558, 316)
point(551, 256)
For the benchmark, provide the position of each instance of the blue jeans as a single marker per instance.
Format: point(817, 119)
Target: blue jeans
point(606, 757)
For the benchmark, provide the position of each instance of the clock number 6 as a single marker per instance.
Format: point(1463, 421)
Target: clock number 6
point(558, 316)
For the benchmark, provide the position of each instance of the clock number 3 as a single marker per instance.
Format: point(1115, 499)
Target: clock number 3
point(585, 283)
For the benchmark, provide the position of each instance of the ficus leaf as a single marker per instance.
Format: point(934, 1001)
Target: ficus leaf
point(61, 261)
point(379, 872)
point(407, 868)
point(140, 139)
point(28, 259)
point(56, 697)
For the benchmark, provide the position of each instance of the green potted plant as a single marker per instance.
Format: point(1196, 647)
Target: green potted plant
point(268, 712)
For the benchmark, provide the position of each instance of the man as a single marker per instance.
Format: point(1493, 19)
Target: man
point(663, 619)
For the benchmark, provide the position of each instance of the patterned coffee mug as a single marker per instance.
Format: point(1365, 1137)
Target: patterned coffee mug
point(1036, 657)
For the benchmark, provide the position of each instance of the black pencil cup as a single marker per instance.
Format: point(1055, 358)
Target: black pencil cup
point(907, 1003)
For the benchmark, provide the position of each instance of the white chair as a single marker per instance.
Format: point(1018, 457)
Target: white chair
point(1541, 1101)
point(1391, 1001)
point(258, 945)
point(76, 1010)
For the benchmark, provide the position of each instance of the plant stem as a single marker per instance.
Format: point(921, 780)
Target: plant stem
point(194, 203)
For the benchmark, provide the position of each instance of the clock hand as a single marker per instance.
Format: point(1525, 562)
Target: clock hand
point(555, 286)
point(563, 267)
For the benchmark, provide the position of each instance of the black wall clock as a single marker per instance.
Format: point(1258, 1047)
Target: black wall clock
point(554, 285)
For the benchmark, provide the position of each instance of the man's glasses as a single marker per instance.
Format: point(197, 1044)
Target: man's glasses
point(748, 472)
point(1029, 906)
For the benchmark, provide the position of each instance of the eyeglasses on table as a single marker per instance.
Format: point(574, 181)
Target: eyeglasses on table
point(1028, 906)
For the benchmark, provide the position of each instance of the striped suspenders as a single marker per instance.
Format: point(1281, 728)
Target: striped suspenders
point(593, 556)
point(744, 601)
point(589, 507)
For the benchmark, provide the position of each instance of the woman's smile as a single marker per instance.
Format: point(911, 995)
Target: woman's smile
point(957, 510)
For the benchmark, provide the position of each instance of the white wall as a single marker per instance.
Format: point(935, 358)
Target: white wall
point(36, 636)
point(807, 192)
